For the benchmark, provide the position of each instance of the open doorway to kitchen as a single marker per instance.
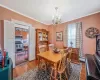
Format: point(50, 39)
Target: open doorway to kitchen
point(21, 45)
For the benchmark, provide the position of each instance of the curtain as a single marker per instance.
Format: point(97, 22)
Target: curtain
point(73, 33)
point(66, 36)
point(79, 38)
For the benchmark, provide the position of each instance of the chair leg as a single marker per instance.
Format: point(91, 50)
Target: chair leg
point(68, 69)
point(46, 65)
point(42, 65)
point(38, 63)
point(60, 77)
point(66, 75)
point(51, 74)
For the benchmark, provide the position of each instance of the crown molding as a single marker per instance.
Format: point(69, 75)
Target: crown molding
point(22, 14)
point(82, 17)
point(43, 22)
point(78, 17)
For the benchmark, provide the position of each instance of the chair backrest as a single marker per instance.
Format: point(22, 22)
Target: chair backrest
point(65, 47)
point(42, 49)
point(51, 47)
point(75, 54)
point(69, 53)
point(62, 63)
point(75, 50)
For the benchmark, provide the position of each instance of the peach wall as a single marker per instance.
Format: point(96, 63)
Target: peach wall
point(1, 34)
point(6, 14)
point(89, 45)
point(89, 21)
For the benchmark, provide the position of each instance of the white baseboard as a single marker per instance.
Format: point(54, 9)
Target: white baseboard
point(82, 59)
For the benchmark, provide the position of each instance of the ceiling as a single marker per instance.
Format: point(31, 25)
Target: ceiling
point(43, 10)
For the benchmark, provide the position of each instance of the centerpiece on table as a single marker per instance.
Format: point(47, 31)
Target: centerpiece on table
point(56, 50)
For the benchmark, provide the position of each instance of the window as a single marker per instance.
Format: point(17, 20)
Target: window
point(72, 35)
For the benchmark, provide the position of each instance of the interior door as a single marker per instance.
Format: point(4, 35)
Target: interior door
point(9, 39)
point(32, 43)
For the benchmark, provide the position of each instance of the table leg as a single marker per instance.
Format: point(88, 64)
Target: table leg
point(55, 71)
point(38, 63)
point(46, 65)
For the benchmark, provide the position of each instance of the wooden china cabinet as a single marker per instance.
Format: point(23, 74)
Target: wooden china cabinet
point(41, 39)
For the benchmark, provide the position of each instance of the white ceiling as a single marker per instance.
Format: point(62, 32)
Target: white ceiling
point(43, 10)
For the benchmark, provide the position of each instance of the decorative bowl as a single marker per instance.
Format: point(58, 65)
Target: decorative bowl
point(56, 50)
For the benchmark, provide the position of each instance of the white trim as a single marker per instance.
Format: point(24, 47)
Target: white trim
point(78, 17)
point(20, 24)
point(22, 14)
point(17, 23)
point(11, 39)
point(43, 22)
point(81, 17)
point(32, 43)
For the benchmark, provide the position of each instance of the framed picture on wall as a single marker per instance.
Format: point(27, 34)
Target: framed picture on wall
point(59, 36)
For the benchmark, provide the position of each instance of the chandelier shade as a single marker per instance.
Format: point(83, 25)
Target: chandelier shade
point(56, 18)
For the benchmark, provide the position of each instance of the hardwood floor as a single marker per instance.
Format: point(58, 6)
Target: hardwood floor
point(83, 72)
point(20, 69)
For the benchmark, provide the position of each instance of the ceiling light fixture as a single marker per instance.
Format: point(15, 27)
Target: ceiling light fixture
point(56, 18)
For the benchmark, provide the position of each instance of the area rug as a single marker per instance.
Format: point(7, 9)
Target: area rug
point(36, 74)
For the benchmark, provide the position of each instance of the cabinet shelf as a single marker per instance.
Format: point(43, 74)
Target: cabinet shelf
point(44, 41)
point(41, 38)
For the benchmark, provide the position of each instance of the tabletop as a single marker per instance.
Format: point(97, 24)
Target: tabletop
point(51, 56)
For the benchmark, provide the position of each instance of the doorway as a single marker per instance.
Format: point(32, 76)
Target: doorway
point(21, 45)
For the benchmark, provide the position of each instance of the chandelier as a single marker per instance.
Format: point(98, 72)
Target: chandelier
point(56, 18)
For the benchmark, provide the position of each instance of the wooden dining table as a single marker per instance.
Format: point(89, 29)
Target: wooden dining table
point(52, 58)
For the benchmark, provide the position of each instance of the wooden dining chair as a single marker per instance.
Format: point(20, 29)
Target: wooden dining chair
point(61, 68)
point(69, 60)
point(51, 47)
point(75, 55)
point(65, 47)
point(42, 63)
point(69, 54)
point(42, 48)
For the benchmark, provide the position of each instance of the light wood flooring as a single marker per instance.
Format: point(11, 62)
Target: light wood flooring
point(20, 69)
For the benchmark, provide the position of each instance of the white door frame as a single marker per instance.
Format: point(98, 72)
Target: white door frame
point(9, 40)
point(25, 26)
point(21, 24)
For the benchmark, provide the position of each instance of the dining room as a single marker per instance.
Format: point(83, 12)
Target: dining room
point(50, 39)
point(60, 63)
point(53, 62)
point(61, 52)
